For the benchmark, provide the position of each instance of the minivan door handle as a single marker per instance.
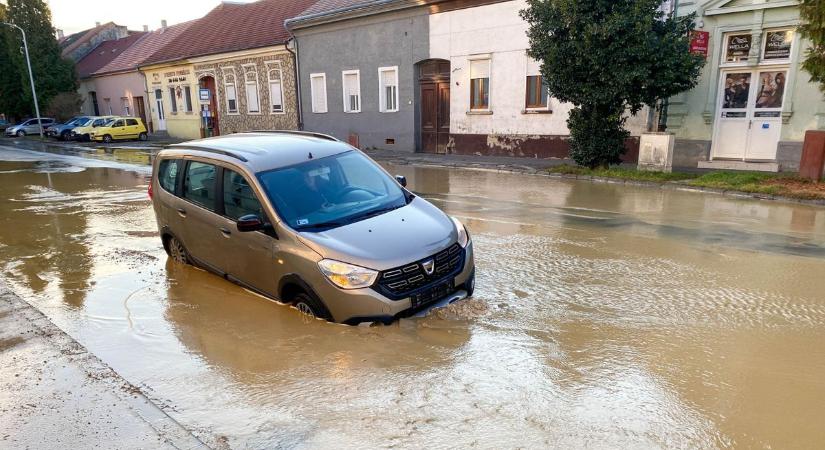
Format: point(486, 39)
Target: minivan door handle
point(226, 232)
point(182, 212)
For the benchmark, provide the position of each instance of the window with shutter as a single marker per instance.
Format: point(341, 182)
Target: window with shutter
point(253, 104)
point(388, 89)
point(318, 87)
point(352, 90)
point(480, 84)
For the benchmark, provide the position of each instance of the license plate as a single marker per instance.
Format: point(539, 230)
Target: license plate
point(432, 294)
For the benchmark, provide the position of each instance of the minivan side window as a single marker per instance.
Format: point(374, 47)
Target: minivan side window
point(199, 184)
point(238, 197)
point(119, 123)
point(168, 175)
point(131, 122)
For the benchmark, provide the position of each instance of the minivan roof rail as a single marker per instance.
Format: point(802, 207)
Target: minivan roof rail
point(209, 150)
point(298, 132)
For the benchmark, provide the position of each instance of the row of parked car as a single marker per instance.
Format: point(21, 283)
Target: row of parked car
point(84, 128)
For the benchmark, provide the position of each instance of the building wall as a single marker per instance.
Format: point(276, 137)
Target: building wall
point(496, 31)
point(266, 119)
point(385, 40)
point(692, 114)
point(119, 92)
point(181, 124)
point(84, 88)
point(109, 33)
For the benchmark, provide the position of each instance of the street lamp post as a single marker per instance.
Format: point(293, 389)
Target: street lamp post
point(31, 77)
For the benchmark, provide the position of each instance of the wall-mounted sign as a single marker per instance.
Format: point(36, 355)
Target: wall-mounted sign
point(778, 44)
point(738, 47)
point(699, 42)
point(203, 94)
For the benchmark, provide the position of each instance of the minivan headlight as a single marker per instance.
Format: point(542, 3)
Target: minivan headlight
point(347, 276)
point(463, 234)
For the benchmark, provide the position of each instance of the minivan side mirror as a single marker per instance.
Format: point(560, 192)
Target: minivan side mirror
point(402, 180)
point(250, 222)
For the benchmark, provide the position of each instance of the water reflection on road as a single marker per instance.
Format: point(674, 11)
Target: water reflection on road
point(618, 316)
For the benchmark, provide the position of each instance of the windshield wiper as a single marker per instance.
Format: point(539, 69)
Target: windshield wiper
point(316, 226)
point(376, 212)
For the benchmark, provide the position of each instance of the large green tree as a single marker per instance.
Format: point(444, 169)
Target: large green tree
point(52, 73)
point(10, 72)
point(813, 28)
point(608, 57)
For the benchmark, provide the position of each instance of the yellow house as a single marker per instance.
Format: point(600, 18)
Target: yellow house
point(173, 99)
point(230, 71)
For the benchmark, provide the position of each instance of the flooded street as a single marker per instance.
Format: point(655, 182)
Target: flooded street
point(608, 316)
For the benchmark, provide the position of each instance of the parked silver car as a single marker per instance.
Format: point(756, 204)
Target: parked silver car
point(311, 221)
point(29, 127)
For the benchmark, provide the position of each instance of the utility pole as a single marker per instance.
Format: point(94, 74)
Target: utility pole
point(31, 76)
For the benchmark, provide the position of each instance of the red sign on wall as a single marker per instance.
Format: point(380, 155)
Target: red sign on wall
point(699, 42)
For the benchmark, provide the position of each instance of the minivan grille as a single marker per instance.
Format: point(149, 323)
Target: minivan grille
point(402, 282)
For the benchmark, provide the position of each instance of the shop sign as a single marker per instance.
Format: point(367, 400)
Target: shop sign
point(203, 94)
point(739, 47)
point(178, 76)
point(699, 42)
point(778, 44)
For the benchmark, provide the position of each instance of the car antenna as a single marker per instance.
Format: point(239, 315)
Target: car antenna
point(310, 155)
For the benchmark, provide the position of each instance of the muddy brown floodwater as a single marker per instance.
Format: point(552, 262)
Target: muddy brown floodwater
point(606, 316)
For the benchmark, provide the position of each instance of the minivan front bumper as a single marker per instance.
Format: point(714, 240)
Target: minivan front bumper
point(368, 305)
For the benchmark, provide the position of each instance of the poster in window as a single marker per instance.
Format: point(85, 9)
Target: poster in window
point(778, 44)
point(737, 90)
point(739, 46)
point(771, 89)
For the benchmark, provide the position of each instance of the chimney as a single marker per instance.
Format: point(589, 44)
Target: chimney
point(163, 24)
point(146, 28)
point(97, 24)
point(60, 34)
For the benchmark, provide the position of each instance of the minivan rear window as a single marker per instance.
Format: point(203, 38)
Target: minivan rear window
point(168, 175)
point(199, 184)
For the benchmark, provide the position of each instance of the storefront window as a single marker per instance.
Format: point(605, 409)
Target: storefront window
point(777, 45)
point(737, 47)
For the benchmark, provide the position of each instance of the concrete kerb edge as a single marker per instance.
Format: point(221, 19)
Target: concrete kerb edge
point(672, 185)
point(167, 428)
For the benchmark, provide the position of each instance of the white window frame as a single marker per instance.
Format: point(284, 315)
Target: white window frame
point(785, 61)
point(357, 74)
point(534, 70)
point(724, 50)
point(234, 84)
point(252, 69)
point(188, 105)
point(316, 95)
point(471, 60)
point(382, 90)
point(275, 66)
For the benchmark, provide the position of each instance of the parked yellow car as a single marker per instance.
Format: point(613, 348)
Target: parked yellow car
point(120, 128)
point(83, 131)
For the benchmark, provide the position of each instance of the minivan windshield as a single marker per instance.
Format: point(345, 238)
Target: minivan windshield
point(329, 192)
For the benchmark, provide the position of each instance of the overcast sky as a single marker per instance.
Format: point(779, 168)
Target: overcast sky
point(76, 15)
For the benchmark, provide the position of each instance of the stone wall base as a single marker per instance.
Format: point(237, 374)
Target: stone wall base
point(526, 146)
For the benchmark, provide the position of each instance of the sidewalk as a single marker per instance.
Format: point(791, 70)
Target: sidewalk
point(502, 163)
point(55, 394)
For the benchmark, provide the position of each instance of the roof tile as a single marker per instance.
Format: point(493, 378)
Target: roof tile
point(150, 44)
point(232, 27)
point(104, 53)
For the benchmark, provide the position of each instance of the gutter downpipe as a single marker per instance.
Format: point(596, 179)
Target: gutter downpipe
point(297, 64)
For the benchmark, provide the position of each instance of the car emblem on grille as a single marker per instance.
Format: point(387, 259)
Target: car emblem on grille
point(429, 266)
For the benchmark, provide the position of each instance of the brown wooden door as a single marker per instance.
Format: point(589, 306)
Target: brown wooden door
point(140, 109)
point(429, 117)
point(434, 82)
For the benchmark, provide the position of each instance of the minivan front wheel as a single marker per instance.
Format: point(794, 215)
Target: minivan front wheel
point(177, 251)
point(310, 307)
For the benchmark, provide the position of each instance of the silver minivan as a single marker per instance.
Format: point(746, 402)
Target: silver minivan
point(308, 220)
point(29, 127)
